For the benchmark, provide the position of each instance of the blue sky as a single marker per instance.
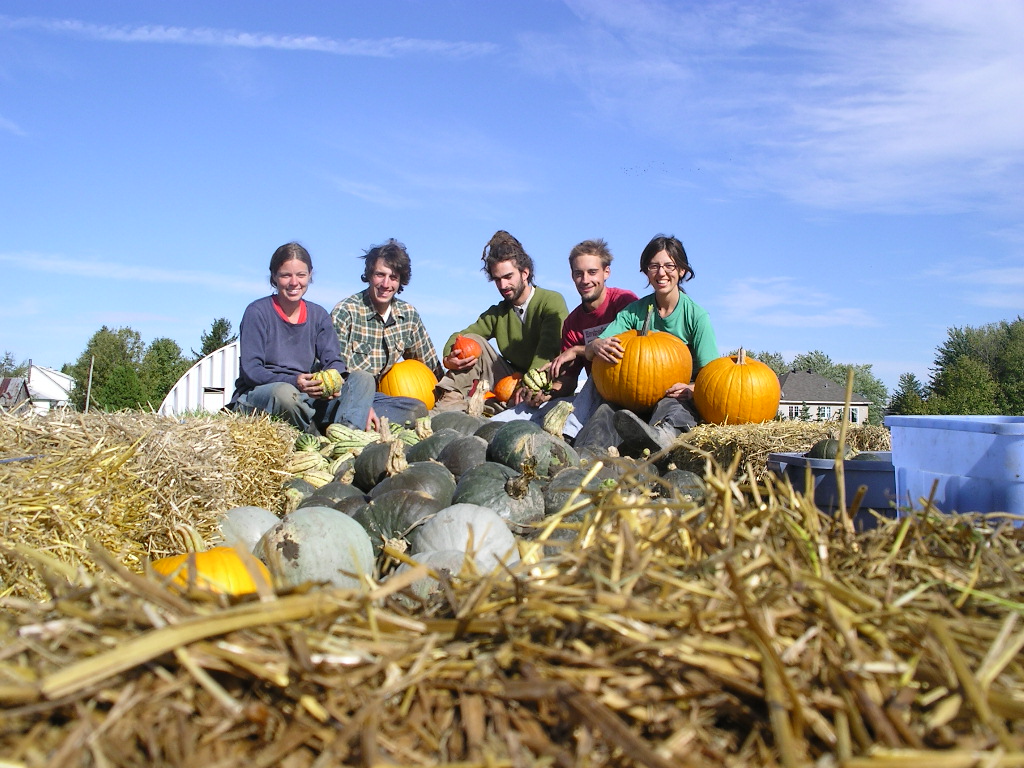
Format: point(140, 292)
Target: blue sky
point(846, 177)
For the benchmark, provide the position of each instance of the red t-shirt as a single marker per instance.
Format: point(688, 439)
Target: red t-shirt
point(582, 327)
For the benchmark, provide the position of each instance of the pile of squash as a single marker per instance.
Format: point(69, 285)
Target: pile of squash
point(457, 492)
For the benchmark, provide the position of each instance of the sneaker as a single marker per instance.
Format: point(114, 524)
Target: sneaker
point(639, 433)
point(451, 400)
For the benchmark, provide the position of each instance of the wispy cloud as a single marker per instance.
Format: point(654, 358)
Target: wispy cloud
point(107, 270)
point(11, 127)
point(916, 104)
point(389, 47)
point(786, 303)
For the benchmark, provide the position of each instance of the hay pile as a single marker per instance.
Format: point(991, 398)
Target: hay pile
point(753, 442)
point(749, 631)
point(129, 480)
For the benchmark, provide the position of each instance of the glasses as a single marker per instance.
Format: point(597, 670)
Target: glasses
point(668, 269)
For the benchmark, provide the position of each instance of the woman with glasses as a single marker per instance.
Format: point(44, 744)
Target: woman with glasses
point(666, 266)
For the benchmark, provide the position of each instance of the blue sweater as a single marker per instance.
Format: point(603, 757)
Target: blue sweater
point(273, 350)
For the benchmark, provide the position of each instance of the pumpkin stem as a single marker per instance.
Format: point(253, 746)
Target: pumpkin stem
point(741, 357)
point(189, 538)
point(647, 321)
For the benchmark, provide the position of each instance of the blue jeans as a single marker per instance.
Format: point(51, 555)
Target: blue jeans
point(284, 401)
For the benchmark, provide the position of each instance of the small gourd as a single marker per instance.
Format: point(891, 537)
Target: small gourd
point(220, 570)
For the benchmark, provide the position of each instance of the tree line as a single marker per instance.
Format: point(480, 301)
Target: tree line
point(117, 371)
point(977, 371)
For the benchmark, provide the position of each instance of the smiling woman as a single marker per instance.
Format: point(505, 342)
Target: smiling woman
point(283, 340)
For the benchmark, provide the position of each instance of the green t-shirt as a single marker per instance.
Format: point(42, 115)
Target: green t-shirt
point(688, 321)
point(525, 344)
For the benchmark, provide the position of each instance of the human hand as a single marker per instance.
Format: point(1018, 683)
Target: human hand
point(310, 386)
point(680, 391)
point(372, 421)
point(610, 350)
point(564, 360)
point(455, 362)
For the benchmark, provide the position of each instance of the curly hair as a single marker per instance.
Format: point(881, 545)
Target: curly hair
point(503, 247)
point(395, 257)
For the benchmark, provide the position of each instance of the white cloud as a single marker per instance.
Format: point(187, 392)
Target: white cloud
point(913, 105)
point(784, 303)
point(11, 127)
point(106, 270)
point(389, 47)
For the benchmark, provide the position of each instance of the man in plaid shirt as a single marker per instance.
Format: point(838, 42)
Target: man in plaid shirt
point(376, 329)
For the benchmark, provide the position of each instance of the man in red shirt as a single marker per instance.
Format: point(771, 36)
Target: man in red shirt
point(590, 265)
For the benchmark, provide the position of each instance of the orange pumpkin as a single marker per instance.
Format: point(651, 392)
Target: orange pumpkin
point(219, 570)
point(410, 378)
point(652, 361)
point(736, 390)
point(466, 347)
point(505, 387)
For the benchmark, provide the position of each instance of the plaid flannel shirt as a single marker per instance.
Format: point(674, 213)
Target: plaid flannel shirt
point(367, 344)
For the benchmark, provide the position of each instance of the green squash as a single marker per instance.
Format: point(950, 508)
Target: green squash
point(475, 530)
point(519, 444)
point(428, 448)
point(866, 456)
point(503, 490)
point(689, 486)
point(457, 420)
point(317, 545)
point(393, 514)
point(432, 478)
point(377, 461)
point(463, 453)
point(561, 487)
point(445, 562)
point(332, 494)
point(244, 526)
point(827, 449)
point(488, 429)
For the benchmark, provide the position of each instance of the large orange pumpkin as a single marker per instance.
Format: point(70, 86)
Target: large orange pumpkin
point(463, 346)
point(219, 570)
point(410, 378)
point(736, 390)
point(505, 387)
point(652, 362)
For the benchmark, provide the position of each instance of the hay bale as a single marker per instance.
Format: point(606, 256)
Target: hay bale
point(753, 442)
point(128, 480)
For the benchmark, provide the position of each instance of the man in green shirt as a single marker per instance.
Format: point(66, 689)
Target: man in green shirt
point(526, 325)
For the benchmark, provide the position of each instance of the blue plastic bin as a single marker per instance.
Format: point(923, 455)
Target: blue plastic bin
point(975, 462)
point(877, 476)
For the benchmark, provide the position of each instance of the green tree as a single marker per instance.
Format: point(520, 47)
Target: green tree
point(773, 360)
point(105, 351)
point(909, 397)
point(120, 390)
point(162, 366)
point(218, 336)
point(10, 368)
point(1009, 370)
point(865, 383)
point(964, 387)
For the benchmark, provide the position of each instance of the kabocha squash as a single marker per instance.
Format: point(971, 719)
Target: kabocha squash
point(468, 528)
point(443, 562)
point(244, 526)
point(221, 570)
point(428, 476)
point(736, 390)
point(652, 361)
point(392, 515)
point(520, 442)
point(431, 446)
point(377, 461)
point(318, 545)
point(464, 347)
point(828, 449)
point(505, 387)
point(503, 490)
point(681, 482)
point(410, 378)
point(332, 495)
point(457, 420)
point(463, 453)
point(562, 486)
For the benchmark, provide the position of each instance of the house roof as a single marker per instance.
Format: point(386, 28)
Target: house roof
point(808, 387)
point(48, 384)
point(12, 392)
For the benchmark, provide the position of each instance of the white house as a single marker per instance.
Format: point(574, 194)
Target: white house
point(810, 397)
